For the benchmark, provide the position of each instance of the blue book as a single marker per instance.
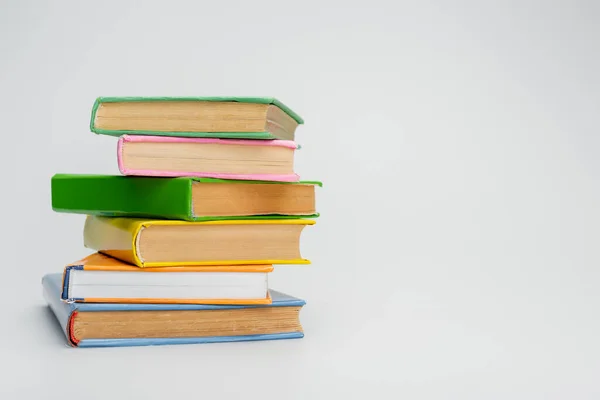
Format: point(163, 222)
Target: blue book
point(119, 325)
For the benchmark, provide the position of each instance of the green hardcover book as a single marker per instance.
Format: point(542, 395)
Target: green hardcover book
point(214, 117)
point(189, 199)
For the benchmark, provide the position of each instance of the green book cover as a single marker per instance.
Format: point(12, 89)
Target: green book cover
point(265, 134)
point(146, 197)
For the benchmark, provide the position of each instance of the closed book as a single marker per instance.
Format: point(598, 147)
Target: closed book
point(185, 198)
point(159, 243)
point(98, 278)
point(217, 117)
point(269, 160)
point(121, 324)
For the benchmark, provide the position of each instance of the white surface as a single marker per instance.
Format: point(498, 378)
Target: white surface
point(487, 285)
point(165, 285)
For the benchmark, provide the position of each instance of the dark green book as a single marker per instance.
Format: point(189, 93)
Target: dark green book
point(189, 199)
point(213, 117)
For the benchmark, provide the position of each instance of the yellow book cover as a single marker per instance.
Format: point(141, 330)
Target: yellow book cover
point(99, 273)
point(160, 243)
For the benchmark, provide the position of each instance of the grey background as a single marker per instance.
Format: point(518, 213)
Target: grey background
point(457, 253)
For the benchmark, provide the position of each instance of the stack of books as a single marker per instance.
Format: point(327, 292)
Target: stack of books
point(185, 238)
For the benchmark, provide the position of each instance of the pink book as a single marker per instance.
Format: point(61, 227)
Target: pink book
point(265, 160)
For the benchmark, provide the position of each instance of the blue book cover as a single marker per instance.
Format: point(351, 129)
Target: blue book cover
point(66, 313)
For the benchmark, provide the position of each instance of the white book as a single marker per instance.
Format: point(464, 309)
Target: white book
point(99, 278)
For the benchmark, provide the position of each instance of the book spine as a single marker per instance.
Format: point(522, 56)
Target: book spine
point(61, 310)
point(119, 196)
point(93, 116)
point(115, 237)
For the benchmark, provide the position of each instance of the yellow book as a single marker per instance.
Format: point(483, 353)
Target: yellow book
point(159, 243)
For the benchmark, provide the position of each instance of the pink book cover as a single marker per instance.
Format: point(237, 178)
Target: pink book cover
point(204, 174)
